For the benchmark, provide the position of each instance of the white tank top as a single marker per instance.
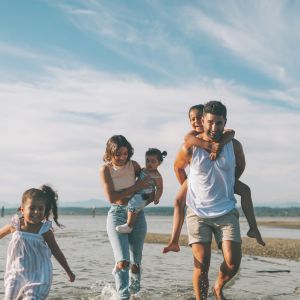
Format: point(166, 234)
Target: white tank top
point(211, 183)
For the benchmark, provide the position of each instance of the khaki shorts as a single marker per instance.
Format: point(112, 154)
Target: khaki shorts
point(224, 228)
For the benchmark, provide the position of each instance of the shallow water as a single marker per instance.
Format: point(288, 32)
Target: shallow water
point(165, 276)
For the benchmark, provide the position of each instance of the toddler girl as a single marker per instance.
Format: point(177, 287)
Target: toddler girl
point(29, 269)
point(154, 158)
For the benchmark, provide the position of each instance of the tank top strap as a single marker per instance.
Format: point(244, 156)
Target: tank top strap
point(15, 222)
point(47, 225)
point(144, 173)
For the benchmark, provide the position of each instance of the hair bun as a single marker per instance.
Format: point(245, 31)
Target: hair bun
point(164, 154)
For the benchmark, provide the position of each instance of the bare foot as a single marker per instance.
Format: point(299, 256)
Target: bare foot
point(254, 233)
point(171, 247)
point(218, 293)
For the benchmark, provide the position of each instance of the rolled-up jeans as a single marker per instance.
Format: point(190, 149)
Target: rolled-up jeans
point(126, 247)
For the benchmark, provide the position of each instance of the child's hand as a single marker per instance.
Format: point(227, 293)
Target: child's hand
point(71, 276)
point(216, 147)
point(215, 150)
point(156, 201)
point(143, 183)
point(213, 156)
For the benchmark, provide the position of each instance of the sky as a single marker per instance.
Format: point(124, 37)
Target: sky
point(74, 73)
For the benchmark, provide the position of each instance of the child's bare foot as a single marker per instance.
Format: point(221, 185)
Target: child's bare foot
point(171, 247)
point(254, 233)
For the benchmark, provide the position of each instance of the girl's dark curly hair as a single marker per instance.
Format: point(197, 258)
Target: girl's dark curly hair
point(156, 152)
point(115, 143)
point(48, 195)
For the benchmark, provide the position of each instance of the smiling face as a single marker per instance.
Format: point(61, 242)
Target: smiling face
point(213, 126)
point(33, 210)
point(195, 120)
point(121, 157)
point(152, 162)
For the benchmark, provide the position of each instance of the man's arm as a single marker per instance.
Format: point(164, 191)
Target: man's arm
point(181, 162)
point(239, 158)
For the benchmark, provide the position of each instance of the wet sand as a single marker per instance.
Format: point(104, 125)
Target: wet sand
point(275, 247)
point(280, 224)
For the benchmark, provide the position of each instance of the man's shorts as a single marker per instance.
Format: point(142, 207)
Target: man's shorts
point(224, 228)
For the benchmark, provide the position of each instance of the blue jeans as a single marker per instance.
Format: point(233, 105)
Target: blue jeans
point(126, 247)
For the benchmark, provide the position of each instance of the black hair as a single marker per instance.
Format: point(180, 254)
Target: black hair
point(48, 195)
point(115, 143)
point(160, 155)
point(198, 107)
point(215, 108)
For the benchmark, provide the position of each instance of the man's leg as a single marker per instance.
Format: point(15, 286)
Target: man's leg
point(232, 258)
point(201, 253)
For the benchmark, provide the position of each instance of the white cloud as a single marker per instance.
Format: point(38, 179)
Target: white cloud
point(55, 128)
point(136, 37)
point(51, 133)
point(264, 33)
point(8, 49)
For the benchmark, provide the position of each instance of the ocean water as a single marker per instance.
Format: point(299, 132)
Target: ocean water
point(164, 276)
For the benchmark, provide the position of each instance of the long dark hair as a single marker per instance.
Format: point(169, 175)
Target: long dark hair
point(115, 143)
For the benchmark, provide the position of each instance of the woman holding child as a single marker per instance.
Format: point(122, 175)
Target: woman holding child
point(119, 180)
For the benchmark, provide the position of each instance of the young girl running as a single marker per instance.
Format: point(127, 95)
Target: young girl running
point(195, 116)
point(29, 269)
point(154, 158)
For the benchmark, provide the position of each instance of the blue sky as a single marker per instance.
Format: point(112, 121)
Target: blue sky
point(73, 73)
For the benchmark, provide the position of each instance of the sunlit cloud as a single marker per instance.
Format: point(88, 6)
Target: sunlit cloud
point(55, 121)
point(268, 43)
point(57, 130)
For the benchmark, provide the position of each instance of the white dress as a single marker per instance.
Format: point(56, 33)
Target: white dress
point(28, 274)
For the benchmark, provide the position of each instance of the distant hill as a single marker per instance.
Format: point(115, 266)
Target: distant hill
point(101, 206)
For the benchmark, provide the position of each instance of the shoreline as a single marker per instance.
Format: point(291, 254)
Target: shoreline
point(275, 247)
point(280, 224)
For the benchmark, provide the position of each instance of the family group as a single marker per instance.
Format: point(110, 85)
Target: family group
point(215, 161)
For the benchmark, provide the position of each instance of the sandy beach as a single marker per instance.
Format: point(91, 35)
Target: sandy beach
point(275, 247)
point(280, 224)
